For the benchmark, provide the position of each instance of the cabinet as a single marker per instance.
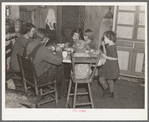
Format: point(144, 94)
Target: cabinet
point(130, 30)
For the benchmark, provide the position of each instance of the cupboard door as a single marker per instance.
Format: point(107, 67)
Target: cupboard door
point(138, 66)
point(130, 30)
point(124, 59)
point(139, 44)
point(125, 20)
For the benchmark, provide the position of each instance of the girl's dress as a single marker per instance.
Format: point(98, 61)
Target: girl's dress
point(110, 70)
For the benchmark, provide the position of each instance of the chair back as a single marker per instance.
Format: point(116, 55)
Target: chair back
point(92, 61)
point(8, 49)
point(27, 70)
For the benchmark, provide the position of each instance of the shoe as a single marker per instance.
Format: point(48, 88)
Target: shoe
point(105, 93)
point(62, 96)
point(111, 95)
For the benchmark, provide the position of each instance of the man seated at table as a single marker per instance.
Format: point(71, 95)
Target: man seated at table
point(19, 45)
point(44, 59)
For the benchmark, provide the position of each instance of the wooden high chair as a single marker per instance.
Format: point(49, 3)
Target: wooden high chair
point(81, 60)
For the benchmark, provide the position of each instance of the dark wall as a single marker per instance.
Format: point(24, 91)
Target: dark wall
point(71, 18)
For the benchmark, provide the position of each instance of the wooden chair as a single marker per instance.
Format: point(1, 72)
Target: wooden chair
point(8, 55)
point(10, 74)
point(81, 60)
point(43, 86)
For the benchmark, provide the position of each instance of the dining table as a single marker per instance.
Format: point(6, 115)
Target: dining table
point(67, 60)
point(66, 53)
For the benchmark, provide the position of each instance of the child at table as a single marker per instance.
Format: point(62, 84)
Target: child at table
point(88, 37)
point(77, 34)
point(110, 70)
point(81, 70)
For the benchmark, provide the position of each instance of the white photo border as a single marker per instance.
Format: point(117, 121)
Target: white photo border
point(71, 114)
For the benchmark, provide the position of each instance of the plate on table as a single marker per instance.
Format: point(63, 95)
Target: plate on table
point(52, 48)
point(62, 45)
point(95, 51)
point(68, 49)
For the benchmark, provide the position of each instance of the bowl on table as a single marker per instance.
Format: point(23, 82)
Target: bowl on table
point(95, 51)
point(62, 45)
point(68, 49)
point(52, 48)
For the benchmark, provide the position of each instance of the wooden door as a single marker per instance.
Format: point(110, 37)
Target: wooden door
point(129, 27)
point(138, 66)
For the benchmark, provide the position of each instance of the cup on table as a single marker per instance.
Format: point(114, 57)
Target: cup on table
point(64, 53)
point(52, 48)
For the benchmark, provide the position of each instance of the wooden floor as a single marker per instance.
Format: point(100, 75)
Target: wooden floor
point(128, 94)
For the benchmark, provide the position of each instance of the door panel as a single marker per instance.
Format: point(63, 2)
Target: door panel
point(124, 32)
point(120, 59)
point(130, 30)
point(141, 19)
point(123, 58)
point(141, 33)
point(126, 18)
point(139, 62)
point(130, 8)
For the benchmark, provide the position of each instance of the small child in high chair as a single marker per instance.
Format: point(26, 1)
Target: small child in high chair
point(109, 72)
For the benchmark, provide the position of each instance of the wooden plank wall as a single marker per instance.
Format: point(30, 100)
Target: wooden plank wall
point(69, 18)
point(93, 19)
point(41, 14)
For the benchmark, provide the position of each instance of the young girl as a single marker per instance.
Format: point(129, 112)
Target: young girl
point(88, 37)
point(110, 70)
point(77, 34)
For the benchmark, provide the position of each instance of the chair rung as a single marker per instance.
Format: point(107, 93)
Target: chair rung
point(71, 94)
point(52, 95)
point(44, 91)
point(46, 101)
point(78, 104)
point(85, 93)
point(48, 92)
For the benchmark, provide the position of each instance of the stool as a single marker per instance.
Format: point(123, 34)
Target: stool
point(75, 95)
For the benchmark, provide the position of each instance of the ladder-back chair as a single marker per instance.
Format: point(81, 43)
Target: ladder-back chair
point(44, 86)
point(10, 74)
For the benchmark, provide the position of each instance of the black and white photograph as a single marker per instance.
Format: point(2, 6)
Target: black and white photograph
point(74, 61)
